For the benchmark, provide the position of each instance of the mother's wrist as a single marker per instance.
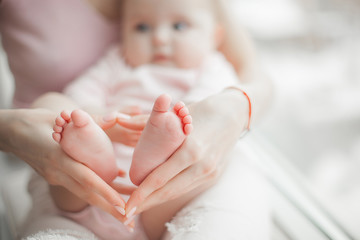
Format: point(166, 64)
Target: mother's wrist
point(6, 123)
point(241, 105)
point(245, 94)
point(10, 126)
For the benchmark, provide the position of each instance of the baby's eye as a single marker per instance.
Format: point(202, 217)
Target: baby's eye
point(142, 27)
point(179, 26)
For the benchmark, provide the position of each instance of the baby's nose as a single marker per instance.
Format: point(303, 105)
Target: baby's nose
point(160, 37)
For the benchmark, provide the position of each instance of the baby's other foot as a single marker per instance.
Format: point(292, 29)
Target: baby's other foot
point(83, 140)
point(164, 132)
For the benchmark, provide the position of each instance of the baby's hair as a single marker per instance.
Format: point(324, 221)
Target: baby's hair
point(217, 5)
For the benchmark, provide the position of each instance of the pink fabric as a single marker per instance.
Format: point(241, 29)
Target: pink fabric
point(106, 226)
point(49, 43)
point(111, 84)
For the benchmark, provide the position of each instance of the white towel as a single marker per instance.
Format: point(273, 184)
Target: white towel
point(61, 234)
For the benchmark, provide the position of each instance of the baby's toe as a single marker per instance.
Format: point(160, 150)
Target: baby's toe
point(178, 106)
point(59, 121)
point(56, 136)
point(188, 128)
point(80, 118)
point(187, 119)
point(65, 115)
point(57, 129)
point(183, 112)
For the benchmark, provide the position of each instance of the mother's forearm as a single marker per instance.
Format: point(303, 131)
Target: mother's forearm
point(6, 134)
point(19, 126)
point(240, 51)
point(21, 130)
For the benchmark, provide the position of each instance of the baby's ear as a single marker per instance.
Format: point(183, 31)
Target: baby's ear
point(219, 35)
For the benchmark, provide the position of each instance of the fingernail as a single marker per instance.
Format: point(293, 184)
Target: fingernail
point(129, 220)
point(123, 116)
point(120, 210)
point(131, 213)
point(110, 117)
point(130, 229)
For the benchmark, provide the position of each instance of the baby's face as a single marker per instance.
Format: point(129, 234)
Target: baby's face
point(176, 33)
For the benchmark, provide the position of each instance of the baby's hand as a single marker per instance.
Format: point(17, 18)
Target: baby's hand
point(136, 123)
point(128, 129)
point(123, 135)
point(127, 134)
point(110, 120)
point(131, 110)
point(117, 133)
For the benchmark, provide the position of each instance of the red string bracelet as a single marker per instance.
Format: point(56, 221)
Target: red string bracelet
point(250, 108)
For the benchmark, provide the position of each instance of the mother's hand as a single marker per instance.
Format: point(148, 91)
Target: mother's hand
point(29, 137)
point(218, 122)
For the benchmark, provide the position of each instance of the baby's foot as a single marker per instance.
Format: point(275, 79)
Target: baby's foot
point(83, 140)
point(164, 132)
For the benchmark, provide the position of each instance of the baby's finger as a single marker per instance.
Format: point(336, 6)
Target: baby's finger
point(137, 122)
point(129, 137)
point(131, 110)
point(105, 122)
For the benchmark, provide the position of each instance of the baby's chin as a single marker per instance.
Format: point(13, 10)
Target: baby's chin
point(168, 63)
point(164, 63)
point(172, 64)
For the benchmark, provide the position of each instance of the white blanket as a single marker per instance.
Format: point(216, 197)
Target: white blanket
point(62, 234)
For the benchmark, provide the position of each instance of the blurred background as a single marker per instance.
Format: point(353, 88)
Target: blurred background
point(311, 50)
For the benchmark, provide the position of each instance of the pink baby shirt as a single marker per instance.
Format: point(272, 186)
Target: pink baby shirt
point(112, 84)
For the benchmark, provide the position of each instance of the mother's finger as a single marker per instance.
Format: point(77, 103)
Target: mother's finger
point(192, 178)
point(179, 161)
point(123, 188)
point(92, 198)
point(91, 182)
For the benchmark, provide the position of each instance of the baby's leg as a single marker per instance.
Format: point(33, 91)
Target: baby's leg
point(83, 140)
point(164, 132)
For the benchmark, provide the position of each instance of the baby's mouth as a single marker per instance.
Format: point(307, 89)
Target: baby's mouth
point(161, 58)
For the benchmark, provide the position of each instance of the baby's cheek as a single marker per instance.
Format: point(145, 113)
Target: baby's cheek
point(190, 58)
point(136, 56)
point(191, 50)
